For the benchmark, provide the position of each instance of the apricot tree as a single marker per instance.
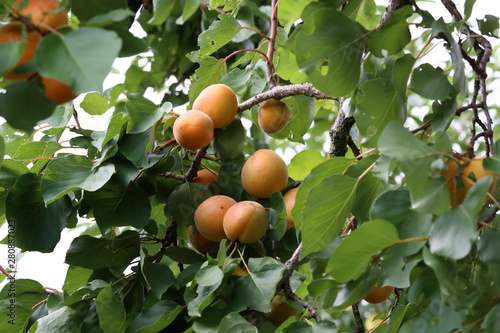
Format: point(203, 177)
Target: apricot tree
point(264, 165)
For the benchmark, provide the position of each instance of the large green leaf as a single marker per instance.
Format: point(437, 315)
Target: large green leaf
point(111, 312)
point(258, 288)
point(303, 162)
point(156, 317)
point(431, 83)
point(393, 35)
point(161, 11)
point(445, 270)
point(158, 276)
point(413, 156)
point(218, 34)
point(16, 301)
point(489, 247)
point(23, 104)
point(81, 58)
point(326, 209)
point(228, 141)
point(143, 112)
point(356, 250)
point(86, 9)
point(64, 320)
point(377, 104)
point(115, 206)
point(72, 172)
point(329, 47)
point(10, 170)
point(234, 322)
point(38, 227)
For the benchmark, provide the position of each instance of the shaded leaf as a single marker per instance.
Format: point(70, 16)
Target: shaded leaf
point(111, 312)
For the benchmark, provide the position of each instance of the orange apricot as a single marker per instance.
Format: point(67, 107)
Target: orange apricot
point(378, 294)
point(199, 242)
point(245, 222)
point(205, 176)
point(57, 91)
point(273, 115)
point(209, 217)
point(13, 32)
point(42, 13)
point(264, 173)
point(289, 199)
point(193, 130)
point(280, 311)
point(219, 102)
point(470, 167)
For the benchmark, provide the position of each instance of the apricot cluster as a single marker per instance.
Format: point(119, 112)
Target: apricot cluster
point(215, 107)
point(36, 18)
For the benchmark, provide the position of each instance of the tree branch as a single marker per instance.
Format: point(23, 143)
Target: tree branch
point(193, 170)
point(340, 134)
point(280, 92)
point(357, 317)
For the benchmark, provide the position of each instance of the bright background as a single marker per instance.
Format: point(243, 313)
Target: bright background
point(49, 268)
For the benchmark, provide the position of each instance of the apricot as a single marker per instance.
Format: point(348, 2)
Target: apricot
point(371, 322)
point(378, 294)
point(193, 130)
point(200, 243)
point(289, 199)
point(280, 311)
point(473, 166)
point(273, 116)
point(41, 13)
point(219, 102)
point(209, 217)
point(264, 173)
point(245, 222)
point(13, 32)
point(205, 176)
point(57, 91)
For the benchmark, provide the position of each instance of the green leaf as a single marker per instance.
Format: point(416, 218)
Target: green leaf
point(158, 276)
point(431, 83)
point(489, 247)
point(183, 255)
point(111, 311)
point(143, 113)
point(397, 318)
point(29, 97)
point(492, 320)
point(329, 47)
point(218, 34)
point(393, 35)
point(258, 288)
point(326, 208)
point(395, 271)
point(228, 141)
point(86, 9)
point(16, 300)
point(445, 270)
point(303, 162)
point(38, 227)
point(94, 104)
point(395, 206)
point(452, 234)
point(468, 6)
point(377, 104)
point(353, 292)
point(161, 11)
point(63, 320)
point(315, 178)
point(413, 156)
point(356, 250)
point(290, 11)
point(184, 200)
point(76, 277)
point(489, 25)
point(2, 149)
point(110, 17)
point(10, 170)
point(476, 196)
point(81, 58)
point(70, 173)
point(234, 322)
point(444, 112)
point(156, 317)
point(115, 206)
point(209, 275)
point(435, 198)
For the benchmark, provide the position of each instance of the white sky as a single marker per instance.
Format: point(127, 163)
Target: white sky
point(50, 270)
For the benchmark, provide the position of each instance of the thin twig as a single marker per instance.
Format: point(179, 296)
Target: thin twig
point(360, 328)
point(193, 170)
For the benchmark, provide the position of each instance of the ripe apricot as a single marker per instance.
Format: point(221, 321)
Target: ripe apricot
point(371, 322)
point(205, 176)
point(40, 13)
point(289, 199)
point(245, 222)
point(193, 130)
point(473, 166)
point(13, 32)
point(209, 217)
point(199, 242)
point(273, 115)
point(57, 91)
point(264, 173)
point(280, 311)
point(219, 102)
point(378, 294)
